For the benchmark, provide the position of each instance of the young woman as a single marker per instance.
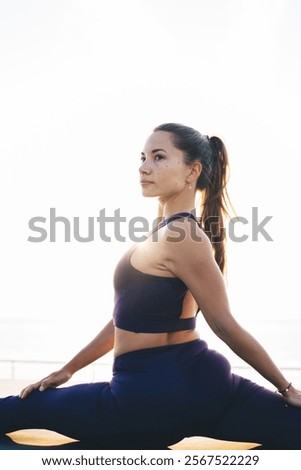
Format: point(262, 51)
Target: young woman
point(166, 383)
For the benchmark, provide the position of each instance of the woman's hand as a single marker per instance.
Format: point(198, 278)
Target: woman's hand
point(98, 347)
point(53, 380)
point(293, 396)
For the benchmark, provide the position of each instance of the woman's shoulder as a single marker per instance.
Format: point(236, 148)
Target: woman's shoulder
point(185, 238)
point(187, 252)
point(185, 231)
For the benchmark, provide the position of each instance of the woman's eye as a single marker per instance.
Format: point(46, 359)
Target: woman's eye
point(156, 157)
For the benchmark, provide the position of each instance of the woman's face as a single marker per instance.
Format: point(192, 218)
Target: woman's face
point(163, 172)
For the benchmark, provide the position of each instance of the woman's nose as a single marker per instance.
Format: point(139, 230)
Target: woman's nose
point(145, 167)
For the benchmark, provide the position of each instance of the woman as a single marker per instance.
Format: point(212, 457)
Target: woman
point(166, 383)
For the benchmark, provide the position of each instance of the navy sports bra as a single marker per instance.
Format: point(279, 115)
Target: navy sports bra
point(147, 303)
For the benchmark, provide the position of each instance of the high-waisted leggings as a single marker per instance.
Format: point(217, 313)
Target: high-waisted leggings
point(156, 397)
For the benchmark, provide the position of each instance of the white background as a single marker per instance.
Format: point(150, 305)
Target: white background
point(83, 83)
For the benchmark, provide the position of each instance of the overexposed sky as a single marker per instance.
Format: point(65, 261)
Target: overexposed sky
point(83, 83)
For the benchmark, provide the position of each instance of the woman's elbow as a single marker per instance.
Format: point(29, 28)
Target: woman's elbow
point(225, 328)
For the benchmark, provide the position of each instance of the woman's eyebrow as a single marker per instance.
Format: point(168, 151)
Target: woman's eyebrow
point(154, 151)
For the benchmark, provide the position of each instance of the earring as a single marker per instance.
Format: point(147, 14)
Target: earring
point(190, 186)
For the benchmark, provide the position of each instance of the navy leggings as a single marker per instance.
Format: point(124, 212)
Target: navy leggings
point(158, 396)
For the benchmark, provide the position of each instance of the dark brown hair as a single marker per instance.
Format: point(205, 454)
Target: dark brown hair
point(212, 154)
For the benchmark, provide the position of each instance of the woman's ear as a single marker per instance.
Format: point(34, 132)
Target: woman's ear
point(195, 171)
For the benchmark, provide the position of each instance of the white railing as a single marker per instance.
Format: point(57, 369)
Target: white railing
point(14, 369)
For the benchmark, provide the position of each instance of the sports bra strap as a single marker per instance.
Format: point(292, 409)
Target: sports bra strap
point(173, 217)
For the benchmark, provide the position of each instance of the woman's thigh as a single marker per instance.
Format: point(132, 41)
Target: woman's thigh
point(259, 415)
point(72, 411)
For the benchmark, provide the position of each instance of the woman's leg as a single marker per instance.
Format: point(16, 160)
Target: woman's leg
point(72, 411)
point(229, 407)
point(259, 415)
point(87, 412)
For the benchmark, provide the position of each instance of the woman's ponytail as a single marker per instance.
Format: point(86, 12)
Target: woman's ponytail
point(215, 200)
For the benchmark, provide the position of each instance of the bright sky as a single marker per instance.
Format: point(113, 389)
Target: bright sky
point(83, 83)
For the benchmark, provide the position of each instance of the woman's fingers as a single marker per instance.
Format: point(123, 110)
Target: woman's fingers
point(53, 380)
point(27, 390)
point(40, 385)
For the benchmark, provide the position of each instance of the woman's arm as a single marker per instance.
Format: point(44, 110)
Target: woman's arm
point(98, 347)
point(192, 261)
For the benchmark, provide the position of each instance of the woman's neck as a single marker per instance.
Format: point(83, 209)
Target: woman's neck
point(169, 208)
